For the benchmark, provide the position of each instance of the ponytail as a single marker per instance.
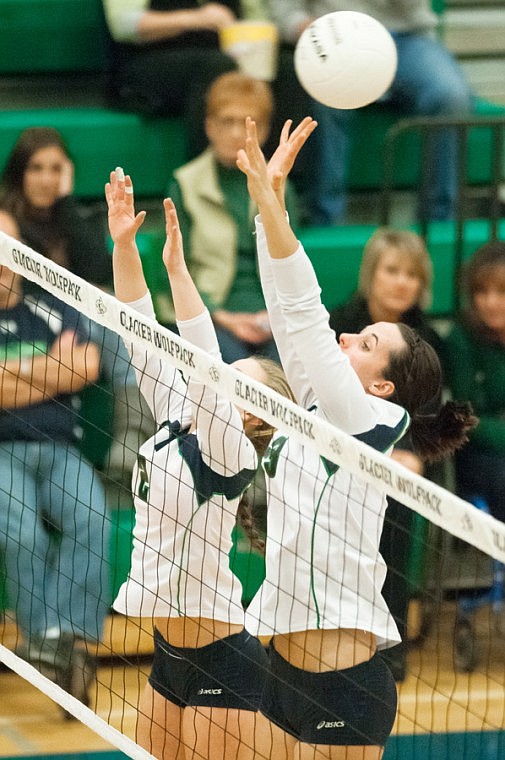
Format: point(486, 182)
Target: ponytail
point(436, 436)
point(416, 373)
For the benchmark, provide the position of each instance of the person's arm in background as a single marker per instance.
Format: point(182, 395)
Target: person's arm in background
point(66, 368)
point(132, 20)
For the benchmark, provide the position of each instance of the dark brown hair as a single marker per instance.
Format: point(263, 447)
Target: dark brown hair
point(31, 140)
point(477, 273)
point(416, 373)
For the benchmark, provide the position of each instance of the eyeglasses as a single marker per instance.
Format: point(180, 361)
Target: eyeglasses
point(230, 122)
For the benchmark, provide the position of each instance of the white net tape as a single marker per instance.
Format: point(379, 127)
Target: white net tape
point(430, 500)
point(73, 706)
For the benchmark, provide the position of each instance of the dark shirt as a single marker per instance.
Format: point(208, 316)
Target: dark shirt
point(201, 38)
point(476, 371)
point(29, 328)
point(72, 236)
point(353, 317)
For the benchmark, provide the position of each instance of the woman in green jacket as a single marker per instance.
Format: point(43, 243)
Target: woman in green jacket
point(476, 371)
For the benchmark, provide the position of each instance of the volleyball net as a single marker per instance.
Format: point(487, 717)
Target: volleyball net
point(443, 528)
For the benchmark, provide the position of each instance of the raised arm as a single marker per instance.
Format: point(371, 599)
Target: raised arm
point(218, 422)
point(279, 166)
point(281, 239)
point(330, 378)
point(129, 281)
point(187, 300)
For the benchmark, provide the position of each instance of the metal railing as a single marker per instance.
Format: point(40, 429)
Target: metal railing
point(486, 187)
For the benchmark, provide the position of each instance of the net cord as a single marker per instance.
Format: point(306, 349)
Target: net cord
point(428, 499)
point(73, 706)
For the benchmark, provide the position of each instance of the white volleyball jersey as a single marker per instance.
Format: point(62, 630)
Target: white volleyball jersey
point(187, 486)
point(323, 567)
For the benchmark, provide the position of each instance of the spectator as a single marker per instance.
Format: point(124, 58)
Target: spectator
point(165, 54)
point(428, 82)
point(59, 589)
point(476, 366)
point(37, 186)
point(216, 218)
point(395, 281)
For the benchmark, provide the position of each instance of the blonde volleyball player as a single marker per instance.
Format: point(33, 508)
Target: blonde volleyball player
point(207, 672)
point(328, 694)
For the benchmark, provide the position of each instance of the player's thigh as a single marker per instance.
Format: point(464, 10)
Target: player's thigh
point(272, 742)
point(159, 725)
point(219, 733)
point(328, 752)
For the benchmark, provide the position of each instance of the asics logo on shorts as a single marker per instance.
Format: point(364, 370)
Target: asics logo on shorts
point(330, 724)
point(210, 691)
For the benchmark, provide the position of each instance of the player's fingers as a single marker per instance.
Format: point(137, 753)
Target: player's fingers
point(285, 130)
point(128, 188)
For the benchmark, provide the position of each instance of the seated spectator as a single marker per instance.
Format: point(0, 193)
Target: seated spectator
point(54, 533)
point(475, 365)
point(165, 54)
point(394, 285)
point(37, 189)
point(428, 82)
point(217, 218)
point(475, 369)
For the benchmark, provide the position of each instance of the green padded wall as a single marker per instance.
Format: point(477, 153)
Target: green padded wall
point(336, 255)
point(52, 35)
point(100, 139)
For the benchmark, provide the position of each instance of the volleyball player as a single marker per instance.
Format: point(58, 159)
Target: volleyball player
point(328, 694)
point(206, 678)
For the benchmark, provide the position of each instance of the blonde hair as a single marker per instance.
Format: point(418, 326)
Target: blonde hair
point(407, 244)
point(277, 381)
point(233, 87)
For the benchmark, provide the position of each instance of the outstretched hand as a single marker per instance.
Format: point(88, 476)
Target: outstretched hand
point(290, 145)
point(173, 252)
point(263, 177)
point(251, 161)
point(123, 223)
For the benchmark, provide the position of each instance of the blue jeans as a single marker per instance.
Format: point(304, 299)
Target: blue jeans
point(428, 82)
point(54, 538)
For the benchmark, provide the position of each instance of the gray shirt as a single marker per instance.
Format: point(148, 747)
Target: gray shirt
point(396, 15)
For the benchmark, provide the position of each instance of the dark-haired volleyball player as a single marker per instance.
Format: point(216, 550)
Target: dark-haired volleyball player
point(328, 694)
